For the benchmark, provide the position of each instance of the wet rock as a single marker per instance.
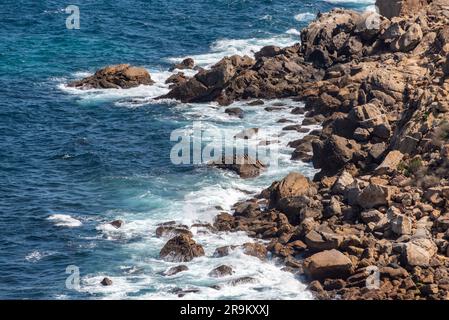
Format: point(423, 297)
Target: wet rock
point(247, 133)
point(106, 282)
point(221, 271)
point(244, 166)
point(328, 264)
point(242, 280)
point(117, 223)
point(235, 112)
point(114, 77)
point(175, 270)
point(172, 230)
point(181, 248)
point(187, 63)
point(256, 250)
point(176, 79)
point(223, 251)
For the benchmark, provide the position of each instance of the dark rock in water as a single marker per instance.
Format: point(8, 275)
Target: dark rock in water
point(106, 282)
point(114, 77)
point(296, 127)
point(221, 271)
point(244, 166)
point(247, 134)
point(175, 270)
point(283, 120)
point(182, 292)
point(298, 110)
point(172, 230)
point(236, 112)
point(223, 251)
point(117, 223)
point(255, 103)
point(274, 108)
point(242, 280)
point(180, 249)
point(187, 63)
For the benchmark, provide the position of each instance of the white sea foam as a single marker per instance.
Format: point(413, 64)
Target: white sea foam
point(64, 220)
point(36, 255)
point(305, 16)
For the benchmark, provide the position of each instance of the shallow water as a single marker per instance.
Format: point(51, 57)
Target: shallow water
point(73, 160)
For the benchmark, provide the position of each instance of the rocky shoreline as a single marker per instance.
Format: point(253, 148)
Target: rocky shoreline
point(380, 204)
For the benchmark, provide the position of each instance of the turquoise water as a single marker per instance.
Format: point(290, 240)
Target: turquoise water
point(70, 161)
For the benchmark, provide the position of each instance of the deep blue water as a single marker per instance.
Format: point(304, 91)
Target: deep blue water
point(91, 158)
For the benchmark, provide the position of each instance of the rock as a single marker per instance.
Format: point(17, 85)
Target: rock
point(334, 153)
point(106, 282)
point(221, 271)
point(176, 78)
point(418, 252)
point(319, 241)
point(292, 186)
point(342, 183)
point(114, 77)
point(236, 112)
point(396, 8)
point(117, 223)
point(371, 216)
point(267, 52)
point(401, 225)
point(390, 163)
point(374, 195)
point(247, 133)
point(328, 264)
point(411, 38)
point(175, 270)
point(256, 250)
point(187, 63)
point(181, 248)
point(172, 230)
point(223, 251)
point(244, 166)
point(255, 103)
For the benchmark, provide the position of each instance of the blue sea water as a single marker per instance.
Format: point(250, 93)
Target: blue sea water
point(71, 161)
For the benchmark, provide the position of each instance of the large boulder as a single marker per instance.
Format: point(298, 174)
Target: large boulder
point(115, 77)
point(332, 154)
point(374, 195)
point(418, 252)
point(181, 248)
point(328, 264)
point(294, 185)
point(396, 8)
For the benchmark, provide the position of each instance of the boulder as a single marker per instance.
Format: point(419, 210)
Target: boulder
point(117, 223)
point(257, 250)
point(418, 252)
point(374, 195)
point(411, 38)
point(328, 264)
point(401, 225)
point(181, 248)
point(221, 271)
point(267, 52)
point(175, 270)
point(319, 241)
point(106, 282)
point(119, 76)
point(343, 182)
point(390, 163)
point(172, 230)
point(371, 216)
point(235, 112)
point(187, 63)
point(397, 8)
point(292, 186)
point(244, 166)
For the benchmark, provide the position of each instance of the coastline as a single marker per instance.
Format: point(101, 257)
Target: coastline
point(370, 214)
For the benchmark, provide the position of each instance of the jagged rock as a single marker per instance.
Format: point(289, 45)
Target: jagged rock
point(328, 264)
point(401, 225)
point(374, 195)
point(114, 77)
point(411, 38)
point(106, 282)
point(342, 183)
point(371, 216)
point(390, 163)
point(176, 79)
point(117, 223)
point(221, 271)
point(396, 8)
point(418, 252)
point(175, 270)
point(187, 63)
point(292, 186)
point(319, 241)
point(267, 52)
point(244, 166)
point(256, 250)
point(181, 248)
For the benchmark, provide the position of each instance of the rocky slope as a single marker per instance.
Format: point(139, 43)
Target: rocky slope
point(378, 209)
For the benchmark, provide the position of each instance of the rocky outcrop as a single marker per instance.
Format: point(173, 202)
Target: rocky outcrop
point(244, 166)
point(122, 76)
point(181, 248)
point(396, 8)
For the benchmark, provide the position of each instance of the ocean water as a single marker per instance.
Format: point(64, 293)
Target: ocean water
point(71, 160)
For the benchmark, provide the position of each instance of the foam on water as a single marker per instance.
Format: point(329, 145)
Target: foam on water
point(65, 220)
